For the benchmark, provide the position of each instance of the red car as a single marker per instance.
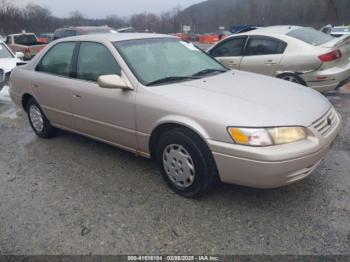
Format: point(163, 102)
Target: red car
point(183, 36)
point(208, 39)
point(213, 38)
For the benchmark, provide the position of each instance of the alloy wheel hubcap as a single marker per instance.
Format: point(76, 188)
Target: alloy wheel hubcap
point(36, 118)
point(179, 166)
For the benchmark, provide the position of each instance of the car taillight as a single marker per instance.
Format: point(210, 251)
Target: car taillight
point(331, 56)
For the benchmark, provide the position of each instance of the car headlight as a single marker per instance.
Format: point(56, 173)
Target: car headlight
point(267, 136)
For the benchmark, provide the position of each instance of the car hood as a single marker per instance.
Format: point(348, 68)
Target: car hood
point(7, 64)
point(244, 99)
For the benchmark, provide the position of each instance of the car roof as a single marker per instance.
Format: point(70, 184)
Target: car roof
point(115, 37)
point(239, 28)
point(83, 28)
point(276, 30)
point(22, 34)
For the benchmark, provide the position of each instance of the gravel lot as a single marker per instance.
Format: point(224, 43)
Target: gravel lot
point(72, 195)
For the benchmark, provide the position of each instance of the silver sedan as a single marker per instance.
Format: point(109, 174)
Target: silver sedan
point(297, 54)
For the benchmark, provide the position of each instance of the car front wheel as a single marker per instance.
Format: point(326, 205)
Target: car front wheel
point(186, 163)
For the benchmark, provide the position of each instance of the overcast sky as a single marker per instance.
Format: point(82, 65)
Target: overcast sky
point(102, 8)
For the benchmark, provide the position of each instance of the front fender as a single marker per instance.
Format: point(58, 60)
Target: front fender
point(183, 121)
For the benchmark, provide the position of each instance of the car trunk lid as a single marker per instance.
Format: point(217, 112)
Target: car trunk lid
point(338, 44)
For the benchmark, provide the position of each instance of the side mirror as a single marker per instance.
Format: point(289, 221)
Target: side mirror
point(19, 55)
point(113, 82)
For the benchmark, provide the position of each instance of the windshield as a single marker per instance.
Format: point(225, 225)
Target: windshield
point(310, 36)
point(161, 58)
point(4, 52)
point(25, 39)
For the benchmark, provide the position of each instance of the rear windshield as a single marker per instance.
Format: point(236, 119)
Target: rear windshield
point(310, 36)
point(4, 52)
point(25, 40)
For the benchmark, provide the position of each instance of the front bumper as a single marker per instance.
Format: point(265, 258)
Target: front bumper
point(276, 166)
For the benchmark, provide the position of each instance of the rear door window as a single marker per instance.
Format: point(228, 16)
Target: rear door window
point(95, 60)
point(58, 59)
point(264, 46)
point(230, 47)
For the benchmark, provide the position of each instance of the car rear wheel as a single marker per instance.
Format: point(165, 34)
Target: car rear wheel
point(38, 121)
point(186, 163)
point(292, 78)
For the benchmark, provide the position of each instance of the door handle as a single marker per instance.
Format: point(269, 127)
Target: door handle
point(35, 85)
point(76, 96)
point(232, 63)
point(270, 62)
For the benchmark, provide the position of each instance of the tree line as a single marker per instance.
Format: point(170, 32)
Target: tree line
point(39, 19)
point(202, 17)
point(207, 16)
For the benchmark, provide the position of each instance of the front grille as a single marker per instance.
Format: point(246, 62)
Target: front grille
point(2, 75)
point(326, 123)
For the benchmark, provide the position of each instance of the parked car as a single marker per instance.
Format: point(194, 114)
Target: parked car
point(213, 38)
point(210, 38)
point(200, 122)
point(339, 31)
point(327, 29)
point(194, 37)
point(223, 34)
point(27, 43)
point(127, 30)
point(46, 38)
point(82, 30)
point(8, 61)
point(297, 54)
point(243, 28)
point(183, 36)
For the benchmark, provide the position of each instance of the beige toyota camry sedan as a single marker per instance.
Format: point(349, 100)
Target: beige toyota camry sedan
point(164, 99)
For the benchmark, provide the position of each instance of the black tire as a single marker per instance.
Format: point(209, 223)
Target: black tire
point(289, 76)
point(205, 175)
point(47, 130)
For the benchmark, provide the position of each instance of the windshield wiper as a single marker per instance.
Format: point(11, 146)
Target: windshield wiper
point(171, 79)
point(209, 71)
